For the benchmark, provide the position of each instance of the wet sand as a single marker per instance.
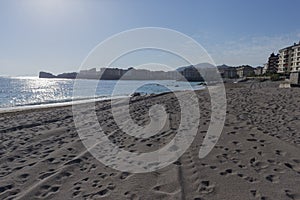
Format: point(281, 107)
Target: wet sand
point(256, 157)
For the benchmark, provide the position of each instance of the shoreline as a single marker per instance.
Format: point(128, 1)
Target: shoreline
point(63, 103)
point(22, 108)
point(65, 97)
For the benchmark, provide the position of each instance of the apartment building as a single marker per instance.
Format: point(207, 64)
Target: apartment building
point(258, 70)
point(272, 66)
point(265, 68)
point(289, 59)
point(244, 71)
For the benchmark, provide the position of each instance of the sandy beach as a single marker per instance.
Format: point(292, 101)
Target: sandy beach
point(256, 157)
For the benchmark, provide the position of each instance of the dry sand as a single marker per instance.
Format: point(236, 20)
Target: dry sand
point(257, 156)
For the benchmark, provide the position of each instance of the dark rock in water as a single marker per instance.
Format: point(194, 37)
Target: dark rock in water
point(46, 75)
point(71, 75)
point(136, 94)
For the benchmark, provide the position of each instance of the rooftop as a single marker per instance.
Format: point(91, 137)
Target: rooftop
point(294, 45)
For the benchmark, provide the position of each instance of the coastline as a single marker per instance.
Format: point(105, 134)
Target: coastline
point(22, 108)
point(257, 156)
point(34, 92)
point(70, 102)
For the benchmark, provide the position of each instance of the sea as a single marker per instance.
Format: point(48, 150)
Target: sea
point(31, 91)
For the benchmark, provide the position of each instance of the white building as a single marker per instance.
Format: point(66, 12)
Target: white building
point(265, 68)
point(258, 70)
point(244, 71)
point(289, 59)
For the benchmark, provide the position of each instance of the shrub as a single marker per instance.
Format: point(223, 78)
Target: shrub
point(275, 77)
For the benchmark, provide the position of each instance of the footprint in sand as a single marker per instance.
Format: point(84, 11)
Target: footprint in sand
point(242, 166)
point(278, 170)
point(198, 198)
point(103, 192)
point(292, 195)
point(77, 191)
point(124, 175)
point(102, 175)
point(297, 161)
point(293, 167)
point(259, 165)
point(252, 140)
point(280, 153)
point(247, 178)
point(23, 177)
point(6, 187)
point(45, 175)
point(166, 188)
point(226, 172)
point(47, 190)
point(206, 187)
point(256, 194)
point(272, 178)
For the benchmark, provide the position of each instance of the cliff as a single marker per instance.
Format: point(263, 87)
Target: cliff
point(71, 75)
point(46, 75)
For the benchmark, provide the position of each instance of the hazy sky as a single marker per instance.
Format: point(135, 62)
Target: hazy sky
point(56, 35)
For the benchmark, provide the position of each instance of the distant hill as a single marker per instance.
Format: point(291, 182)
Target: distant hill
point(223, 66)
point(200, 65)
point(191, 73)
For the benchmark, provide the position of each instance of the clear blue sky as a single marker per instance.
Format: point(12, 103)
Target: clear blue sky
point(56, 35)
